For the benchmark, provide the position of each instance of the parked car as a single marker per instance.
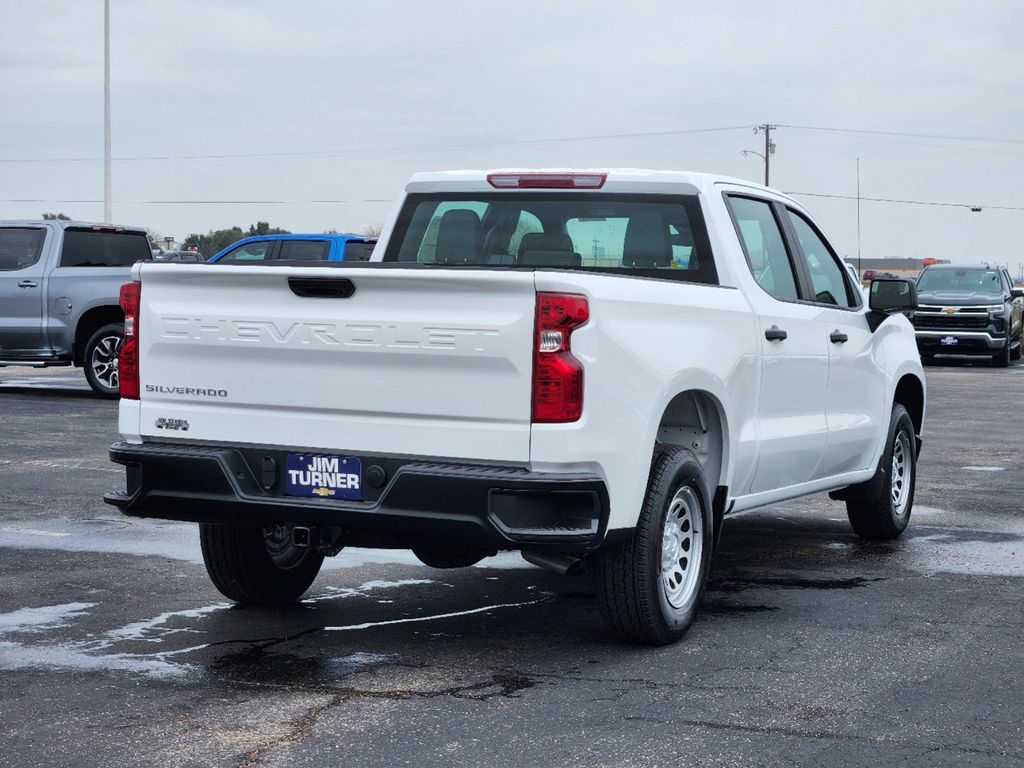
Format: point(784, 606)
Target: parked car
point(583, 366)
point(969, 310)
point(59, 283)
point(289, 248)
point(188, 257)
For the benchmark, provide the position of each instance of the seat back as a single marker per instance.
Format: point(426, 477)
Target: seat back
point(547, 249)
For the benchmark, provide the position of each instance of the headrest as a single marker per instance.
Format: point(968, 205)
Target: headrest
point(646, 244)
point(459, 238)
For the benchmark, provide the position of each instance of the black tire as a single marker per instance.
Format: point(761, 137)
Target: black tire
point(251, 566)
point(100, 367)
point(1001, 359)
point(1016, 351)
point(872, 510)
point(629, 579)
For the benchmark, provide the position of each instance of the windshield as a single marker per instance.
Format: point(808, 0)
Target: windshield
point(977, 280)
point(645, 235)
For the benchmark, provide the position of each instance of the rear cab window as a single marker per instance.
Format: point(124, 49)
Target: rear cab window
point(103, 248)
point(659, 236)
point(358, 251)
point(20, 247)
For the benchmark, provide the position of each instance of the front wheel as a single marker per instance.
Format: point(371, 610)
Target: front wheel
point(257, 566)
point(884, 514)
point(100, 360)
point(650, 587)
point(1001, 359)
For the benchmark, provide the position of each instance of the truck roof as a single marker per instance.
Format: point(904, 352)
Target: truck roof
point(64, 224)
point(617, 180)
point(343, 237)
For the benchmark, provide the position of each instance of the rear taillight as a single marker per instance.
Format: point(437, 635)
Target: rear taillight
point(128, 356)
point(557, 375)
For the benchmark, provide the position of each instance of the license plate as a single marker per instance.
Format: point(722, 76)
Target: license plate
point(949, 341)
point(321, 476)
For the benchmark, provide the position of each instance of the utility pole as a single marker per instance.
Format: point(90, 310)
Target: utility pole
point(108, 215)
point(858, 216)
point(769, 148)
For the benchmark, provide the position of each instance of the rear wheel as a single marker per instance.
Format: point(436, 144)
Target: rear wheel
point(885, 513)
point(650, 587)
point(257, 566)
point(100, 360)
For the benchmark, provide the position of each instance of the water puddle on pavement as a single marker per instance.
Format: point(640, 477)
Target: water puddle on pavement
point(23, 644)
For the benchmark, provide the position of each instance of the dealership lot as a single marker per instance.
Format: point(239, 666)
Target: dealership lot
point(814, 647)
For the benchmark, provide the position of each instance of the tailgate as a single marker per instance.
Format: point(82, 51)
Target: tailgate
point(415, 362)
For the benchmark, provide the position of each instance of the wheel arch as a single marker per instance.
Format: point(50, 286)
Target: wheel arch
point(91, 321)
point(910, 394)
point(695, 419)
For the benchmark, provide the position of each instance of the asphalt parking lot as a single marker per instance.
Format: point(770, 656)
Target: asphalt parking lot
point(814, 648)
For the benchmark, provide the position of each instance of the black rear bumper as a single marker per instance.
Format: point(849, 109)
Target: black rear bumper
point(417, 503)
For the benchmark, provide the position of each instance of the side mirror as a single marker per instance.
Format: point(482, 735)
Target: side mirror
point(892, 296)
point(1017, 293)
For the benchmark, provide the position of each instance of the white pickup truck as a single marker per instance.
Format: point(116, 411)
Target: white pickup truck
point(592, 368)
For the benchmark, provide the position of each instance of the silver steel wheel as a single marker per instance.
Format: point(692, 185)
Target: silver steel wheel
point(278, 539)
point(682, 542)
point(902, 474)
point(104, 361)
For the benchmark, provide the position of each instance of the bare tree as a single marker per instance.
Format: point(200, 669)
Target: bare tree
point(373, 230)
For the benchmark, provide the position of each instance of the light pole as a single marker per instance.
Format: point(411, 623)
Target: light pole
point(108, 215)
point(746, 152)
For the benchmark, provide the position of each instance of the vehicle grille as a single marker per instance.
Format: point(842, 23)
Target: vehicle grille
point(958, 320)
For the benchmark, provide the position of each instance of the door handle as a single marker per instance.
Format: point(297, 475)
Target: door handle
point(28, 284)
point(775, 334)
point(838, 337)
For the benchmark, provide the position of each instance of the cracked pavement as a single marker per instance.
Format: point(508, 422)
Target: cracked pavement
point(814, 648)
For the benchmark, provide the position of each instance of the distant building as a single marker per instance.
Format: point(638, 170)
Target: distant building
point(898, 267)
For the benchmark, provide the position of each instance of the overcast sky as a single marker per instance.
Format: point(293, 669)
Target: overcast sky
point(354, 97)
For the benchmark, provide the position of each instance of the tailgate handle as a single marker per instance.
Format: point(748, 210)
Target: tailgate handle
point(322, 287)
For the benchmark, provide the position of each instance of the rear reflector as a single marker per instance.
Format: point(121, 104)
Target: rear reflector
point(128, 355)
point(557, 375)
point(547, 180)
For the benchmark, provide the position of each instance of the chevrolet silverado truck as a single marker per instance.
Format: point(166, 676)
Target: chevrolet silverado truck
point(592, 368)
point(969, 310)
point(59, 295)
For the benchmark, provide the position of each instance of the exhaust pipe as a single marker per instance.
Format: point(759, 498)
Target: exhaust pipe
point(563, 565)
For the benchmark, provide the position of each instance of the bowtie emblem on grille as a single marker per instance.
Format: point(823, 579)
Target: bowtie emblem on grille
point(950, 310)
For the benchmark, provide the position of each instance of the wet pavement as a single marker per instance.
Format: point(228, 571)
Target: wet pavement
point(814, 648)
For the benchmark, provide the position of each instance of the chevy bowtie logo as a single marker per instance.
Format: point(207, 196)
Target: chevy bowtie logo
point(951, 310)
point(323, 491)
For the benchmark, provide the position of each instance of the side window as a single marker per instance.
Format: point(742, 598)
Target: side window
point(249, 252)
point(20, 248)
point(826, 273)
point(303, 250)
point(764, 247)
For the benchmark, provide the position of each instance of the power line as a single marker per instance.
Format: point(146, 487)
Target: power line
point(391, 200)
point(377, 151)
point(941, 136)
point(912, 202)
point(204, 202)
